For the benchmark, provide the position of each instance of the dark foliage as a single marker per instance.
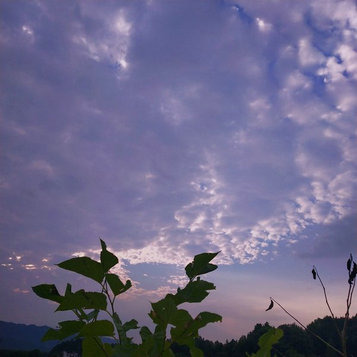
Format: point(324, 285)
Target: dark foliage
point(295, 342)
point(326, 329)
point(68, 346)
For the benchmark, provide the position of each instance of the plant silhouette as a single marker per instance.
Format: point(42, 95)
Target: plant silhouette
point(165, 313)
point(352, 272)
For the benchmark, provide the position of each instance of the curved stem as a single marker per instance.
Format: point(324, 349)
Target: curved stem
point(306, 329)
point(105, 290)
point(339, 332)
point(325, 294)
point(347, 316)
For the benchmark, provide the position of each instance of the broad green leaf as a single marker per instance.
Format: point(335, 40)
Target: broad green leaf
point(107, 259)
point(200, 265)
point(68, 290)
point(47, 291)
point(97, 328)
point(267, 341)
point(83, 300)
point(163, 310)
point(70, 327)
point(130, 325)
point(124, 339)
point(202, 319)
point(145, 333)
point(117, 285)
point(158, 341)
point(181, 333)
point(94, 347)
point(84, 266)
point(153, 344)
point(181, 318)
point(194, 291)
point(67, 328)
point(205, 317)
point(147, 344)
point(186, 330)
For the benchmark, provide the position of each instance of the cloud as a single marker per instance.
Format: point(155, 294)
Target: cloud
point(308, 55)
point(172, 129)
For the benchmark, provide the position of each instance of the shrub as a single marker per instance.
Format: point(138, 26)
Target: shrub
point(86, 305)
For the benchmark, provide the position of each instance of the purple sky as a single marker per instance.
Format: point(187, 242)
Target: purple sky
point(170, 128)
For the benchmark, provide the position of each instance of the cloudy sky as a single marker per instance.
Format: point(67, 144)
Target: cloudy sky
point(171, 128)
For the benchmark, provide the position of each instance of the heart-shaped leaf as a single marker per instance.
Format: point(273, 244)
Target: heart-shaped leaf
point(84, 266)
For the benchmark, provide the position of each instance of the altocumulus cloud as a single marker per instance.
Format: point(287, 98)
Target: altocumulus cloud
point(172, 128)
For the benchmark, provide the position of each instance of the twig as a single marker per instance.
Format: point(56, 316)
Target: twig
point(347, 315)
point(306, 329)
point(339, 332)
point(323, 287)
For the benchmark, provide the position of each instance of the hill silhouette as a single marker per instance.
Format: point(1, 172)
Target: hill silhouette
point(23, 337)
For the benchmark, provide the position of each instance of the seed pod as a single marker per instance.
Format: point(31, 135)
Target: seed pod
point(354, 271)
point(349, 264)
point(313, 273)
point(270, 306)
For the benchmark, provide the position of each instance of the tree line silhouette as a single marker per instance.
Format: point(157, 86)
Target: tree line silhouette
point(296, 342)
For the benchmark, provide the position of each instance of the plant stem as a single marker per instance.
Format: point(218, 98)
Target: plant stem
point(306, 329)
point(339, 332)
point(347, 316)
point(325, 294)
point(106, 292)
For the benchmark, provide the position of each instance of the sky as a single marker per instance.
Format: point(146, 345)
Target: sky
point(172, 128)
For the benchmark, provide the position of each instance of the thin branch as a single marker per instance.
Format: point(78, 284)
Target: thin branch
point(350, 294)
point(347, 315)
point(327, 303)
point(293, 317)
point(323, 287)
point(105, 290)
point(306, 329)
